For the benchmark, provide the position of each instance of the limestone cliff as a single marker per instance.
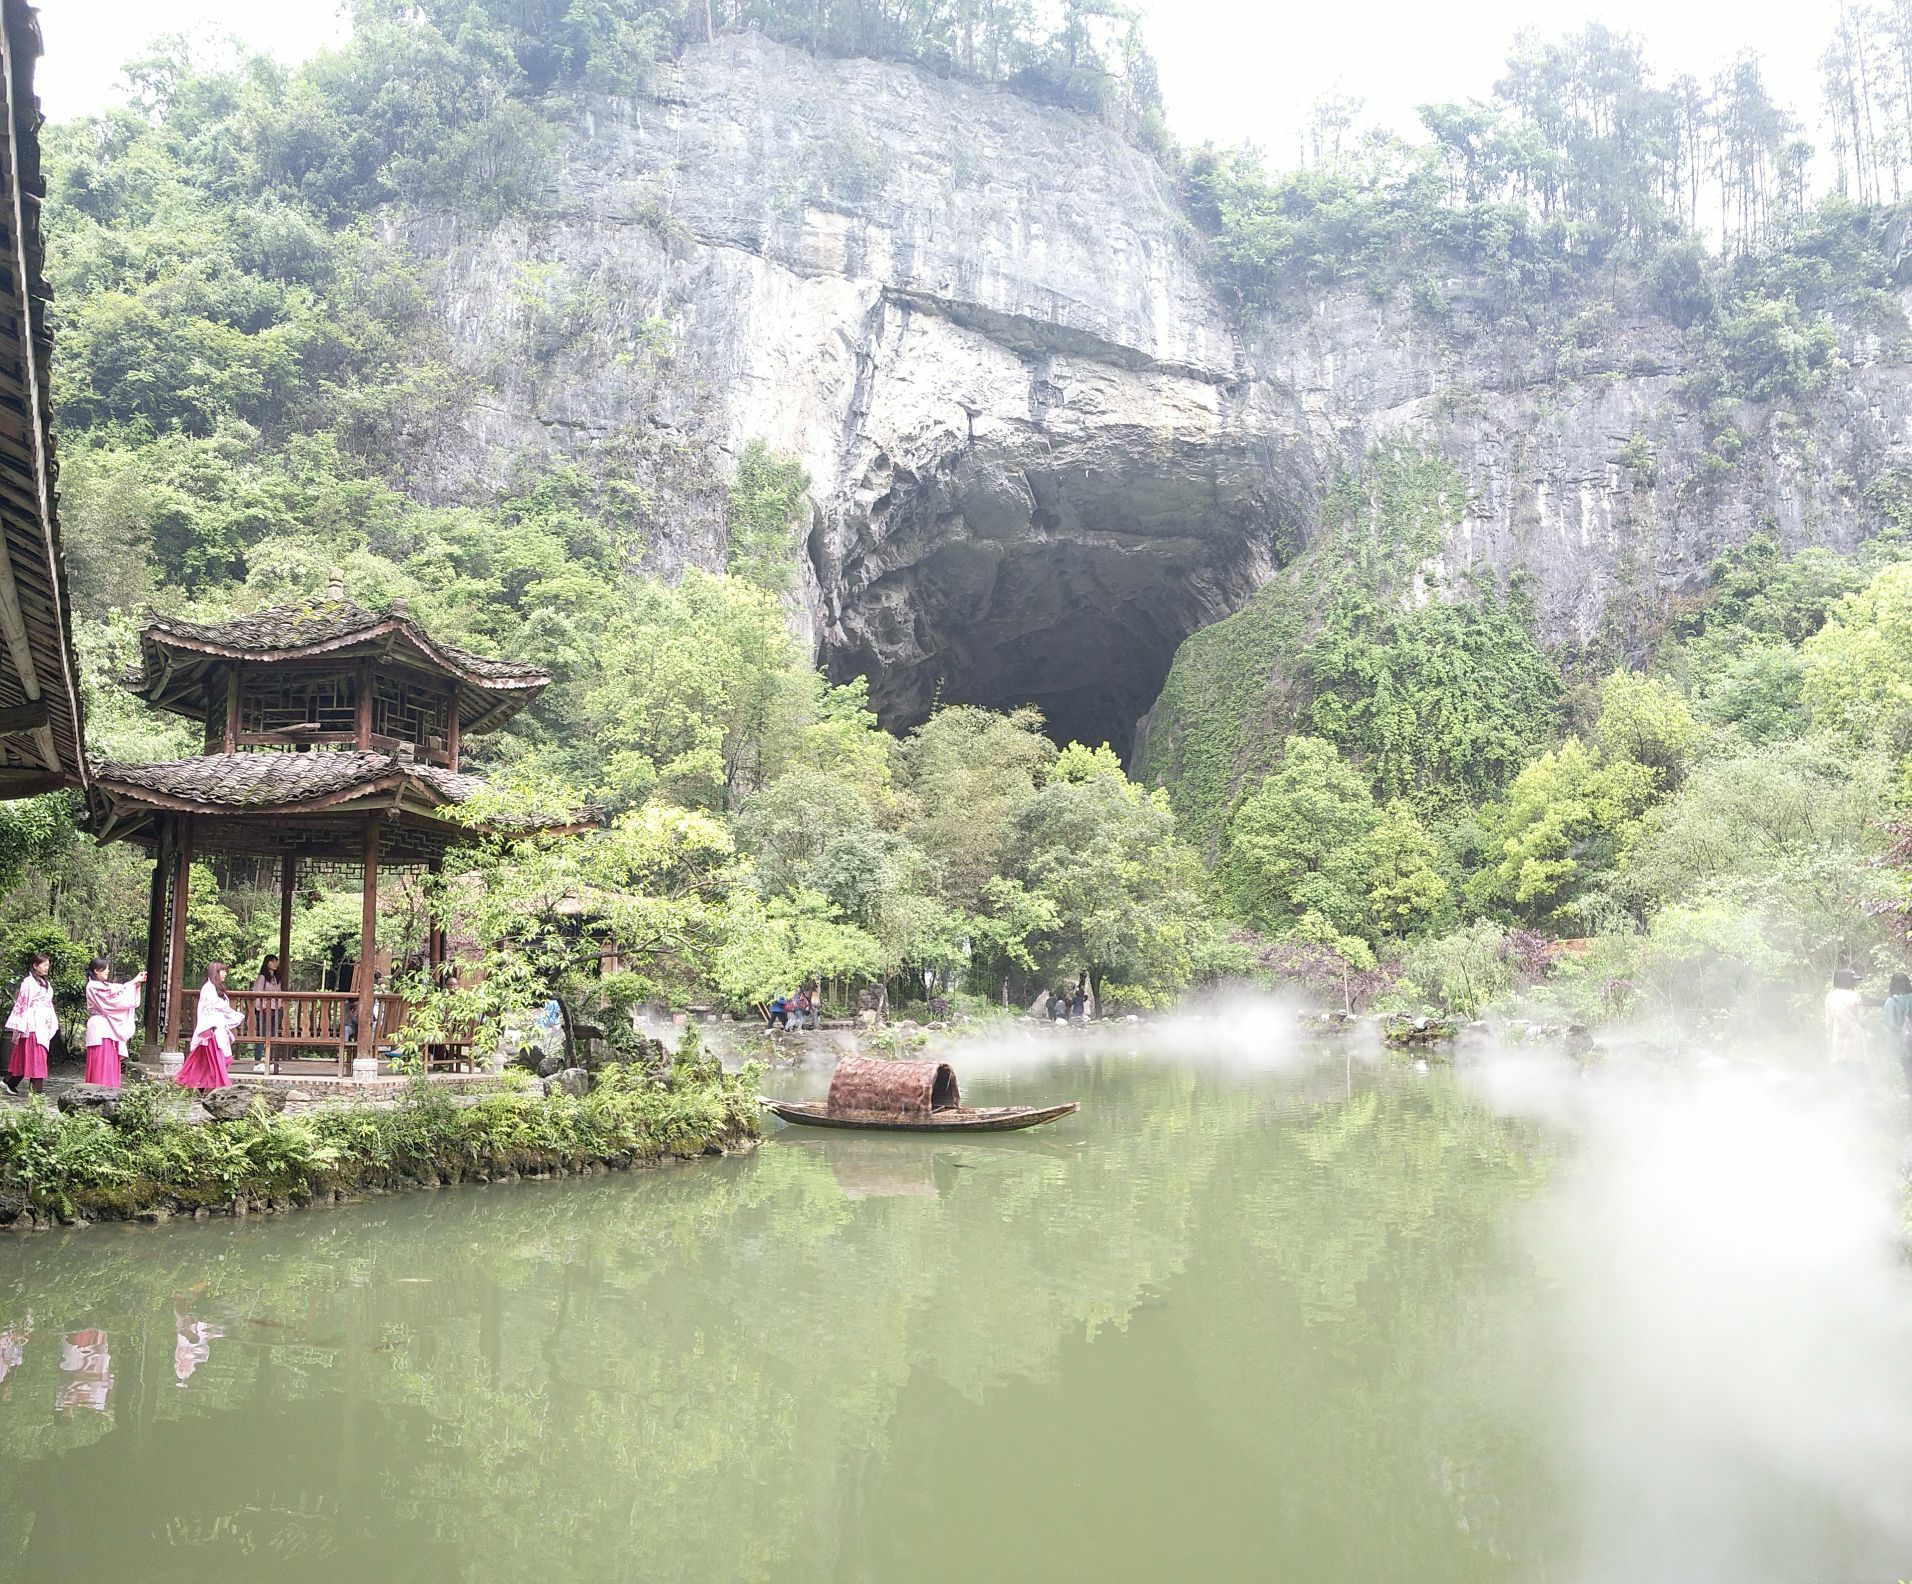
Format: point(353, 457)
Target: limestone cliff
point(1042, 449)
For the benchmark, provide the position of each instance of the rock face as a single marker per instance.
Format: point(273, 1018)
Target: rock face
point(1042, 450)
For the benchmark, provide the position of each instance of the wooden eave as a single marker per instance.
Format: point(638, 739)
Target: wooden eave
point(41, 720)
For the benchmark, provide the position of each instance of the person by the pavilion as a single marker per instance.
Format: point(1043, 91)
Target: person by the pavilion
point(110, 1009)
point(210, 1058)
point(33, 1022)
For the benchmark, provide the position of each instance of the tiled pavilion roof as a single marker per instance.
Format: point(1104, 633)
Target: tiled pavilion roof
point(281, 781)
point(306, 804)
point(174, 655)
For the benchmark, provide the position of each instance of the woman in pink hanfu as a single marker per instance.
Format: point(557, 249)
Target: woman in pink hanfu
point(109, 1021)
point(34, 1022)
point(211, 1054)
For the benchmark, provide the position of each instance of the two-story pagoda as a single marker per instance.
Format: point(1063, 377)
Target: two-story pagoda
point(333, 739)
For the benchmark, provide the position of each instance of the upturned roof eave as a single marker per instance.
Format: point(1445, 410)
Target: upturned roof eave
point(165, 679)
point(408, 791)
point(158, 635)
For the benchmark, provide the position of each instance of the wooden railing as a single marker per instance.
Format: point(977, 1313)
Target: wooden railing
point(313, 1025)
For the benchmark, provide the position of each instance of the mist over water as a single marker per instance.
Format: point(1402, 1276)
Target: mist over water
point(1265, 1308)
point(1731, 1314)
point(1722, 1329)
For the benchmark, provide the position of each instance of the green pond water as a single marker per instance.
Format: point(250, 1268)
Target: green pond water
point(1292, 1322)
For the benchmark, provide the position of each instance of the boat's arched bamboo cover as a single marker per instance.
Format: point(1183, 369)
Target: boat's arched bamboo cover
point(892, 1088)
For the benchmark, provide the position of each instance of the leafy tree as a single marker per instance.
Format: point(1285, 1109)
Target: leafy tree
point(1563, 824)
point(1465, 971)
point(692, 697)
point(771, 947)
point(1407, 893)
point(1785, 830)
point(1645, 721)
point(33, 832)
point(1300, 843)
point(790, 824)
point(1101, 853)
point(1756, 691)
point(655, 885)
point(1858, 667)
point(963, 774)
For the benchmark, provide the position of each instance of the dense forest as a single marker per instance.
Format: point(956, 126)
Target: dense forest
point(244, 364)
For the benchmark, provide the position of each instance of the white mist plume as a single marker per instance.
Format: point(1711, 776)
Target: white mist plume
point(1730, 1306)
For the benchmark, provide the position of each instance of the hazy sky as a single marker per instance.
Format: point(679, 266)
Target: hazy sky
point(1231, 69)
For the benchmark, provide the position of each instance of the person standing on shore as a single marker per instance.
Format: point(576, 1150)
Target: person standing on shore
point(1896, 1014)
point(208, 1062)
point(33, 1022)
point(1845, 1024)
point(265, 1009)
point(110, 1009)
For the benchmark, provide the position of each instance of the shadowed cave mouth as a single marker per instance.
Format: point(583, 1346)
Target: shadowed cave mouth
point(1083, 628)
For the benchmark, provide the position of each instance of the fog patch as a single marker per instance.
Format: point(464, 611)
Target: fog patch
point(1727, 1301)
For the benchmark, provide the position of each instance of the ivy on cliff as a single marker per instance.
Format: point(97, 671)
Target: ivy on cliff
point(1436, 698)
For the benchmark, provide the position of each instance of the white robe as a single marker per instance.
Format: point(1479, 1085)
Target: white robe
point(217, 1018)
point(33, 1012)
point(110, 1009)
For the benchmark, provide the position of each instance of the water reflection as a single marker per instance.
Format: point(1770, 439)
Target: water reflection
point(13, 1350)
point(86, 1373)
point(1228, 1321)
point(192, 1345)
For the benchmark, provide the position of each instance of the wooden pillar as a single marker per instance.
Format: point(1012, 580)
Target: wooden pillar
point(363, 726)
point(368, 941)
point(288, 871)
point(230, 741)
point(176, 932)
point(435, 929)
point(451, 731)
point(156, 939)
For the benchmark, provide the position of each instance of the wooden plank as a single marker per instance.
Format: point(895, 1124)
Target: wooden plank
point(30, 716)
point(30, 782)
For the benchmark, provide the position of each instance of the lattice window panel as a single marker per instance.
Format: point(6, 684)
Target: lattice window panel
point(298, 704)
point(410, 713)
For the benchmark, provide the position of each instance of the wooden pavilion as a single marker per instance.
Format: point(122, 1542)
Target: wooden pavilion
point(332, 742)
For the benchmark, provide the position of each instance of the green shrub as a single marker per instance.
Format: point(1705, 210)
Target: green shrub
point(150, 1155)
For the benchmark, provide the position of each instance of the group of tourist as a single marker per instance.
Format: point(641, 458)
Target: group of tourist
point(1071, 1006)
point(110, 1010)
point(799, 1009)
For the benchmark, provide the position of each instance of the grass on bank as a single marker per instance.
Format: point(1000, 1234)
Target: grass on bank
point(151, 1158)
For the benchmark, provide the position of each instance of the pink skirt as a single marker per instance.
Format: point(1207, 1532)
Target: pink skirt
point(28, 1059)
point(204, 1067)
point(103, 1064)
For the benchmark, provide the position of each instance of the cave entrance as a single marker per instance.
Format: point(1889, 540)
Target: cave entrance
point(1082, 627)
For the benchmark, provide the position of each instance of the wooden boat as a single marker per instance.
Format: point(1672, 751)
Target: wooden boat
point(950, 1119)
point(906, 1097)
